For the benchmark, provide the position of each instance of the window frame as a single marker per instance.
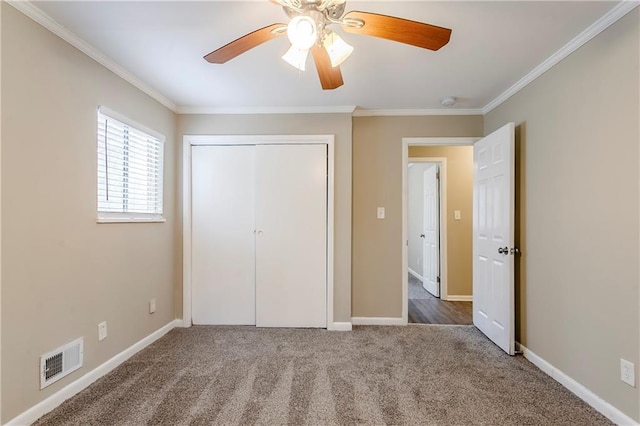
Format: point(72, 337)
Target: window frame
point(130, 217)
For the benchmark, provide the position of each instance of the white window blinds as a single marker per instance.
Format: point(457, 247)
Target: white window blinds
point(129, 170)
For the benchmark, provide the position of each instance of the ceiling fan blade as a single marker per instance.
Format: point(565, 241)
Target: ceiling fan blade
point(330, 77)
point(244, 43)
point(397, 29)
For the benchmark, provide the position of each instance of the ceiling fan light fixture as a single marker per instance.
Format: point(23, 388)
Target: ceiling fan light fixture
point(296, 57)
point(337, 48)
point(307, 30)
point(302, 32)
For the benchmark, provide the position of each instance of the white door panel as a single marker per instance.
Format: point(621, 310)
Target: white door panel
point(223, 242)
point(493, 237)
point(431, 240)
point(291, 238)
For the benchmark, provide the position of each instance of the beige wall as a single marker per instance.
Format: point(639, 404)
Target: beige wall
point(578, 212)
point(377, 182)
point(62, 273)
point(459, 197)
point(294, 124)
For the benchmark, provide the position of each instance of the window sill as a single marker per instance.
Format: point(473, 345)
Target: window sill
point(131, 220)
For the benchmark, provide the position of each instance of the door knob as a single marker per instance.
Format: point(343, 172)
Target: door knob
point(503, 250)
point(421, 235)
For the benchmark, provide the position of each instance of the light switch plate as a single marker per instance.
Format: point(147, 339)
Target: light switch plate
point(102, 331)
point(152, 305)
point(380, 212)
point(457, 215)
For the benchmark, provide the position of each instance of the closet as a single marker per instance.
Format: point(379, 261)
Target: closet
point(259, 235)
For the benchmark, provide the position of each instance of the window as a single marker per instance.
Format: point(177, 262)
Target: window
point(129, 170)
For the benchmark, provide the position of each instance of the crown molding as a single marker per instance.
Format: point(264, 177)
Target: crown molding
point(35, 13)
point(414, 112)
point(347, 109)
point(581, 39)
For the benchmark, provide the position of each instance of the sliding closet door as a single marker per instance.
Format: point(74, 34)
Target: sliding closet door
point(223, 241)
point(291, 237)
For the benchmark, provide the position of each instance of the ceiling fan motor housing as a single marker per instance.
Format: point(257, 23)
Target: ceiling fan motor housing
point(331, 10)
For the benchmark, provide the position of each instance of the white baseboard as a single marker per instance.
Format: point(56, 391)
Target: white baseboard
point(48, 404)
point(415, 274)
point(606, 409)
point(377, 321)
point(340, 326)
point(459, 298)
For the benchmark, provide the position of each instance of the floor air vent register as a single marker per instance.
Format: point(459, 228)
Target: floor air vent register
point(60, 362)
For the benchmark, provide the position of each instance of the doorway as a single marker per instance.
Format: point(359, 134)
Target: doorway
point(443, 265)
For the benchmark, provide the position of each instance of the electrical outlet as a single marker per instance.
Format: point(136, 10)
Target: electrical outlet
point(627, 373)
point(102, 331)
point(152, 305)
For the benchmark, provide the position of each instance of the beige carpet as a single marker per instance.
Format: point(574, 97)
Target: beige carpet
point(414, 375)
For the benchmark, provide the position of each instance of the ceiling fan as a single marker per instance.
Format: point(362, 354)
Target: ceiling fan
point(308, 30)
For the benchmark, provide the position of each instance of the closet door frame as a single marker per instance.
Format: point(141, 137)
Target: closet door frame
point(203, 140)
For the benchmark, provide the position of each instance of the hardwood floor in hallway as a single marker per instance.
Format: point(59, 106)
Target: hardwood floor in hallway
point(424, 308)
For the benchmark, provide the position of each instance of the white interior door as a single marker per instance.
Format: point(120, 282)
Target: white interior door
point(431, 240)
point(291, 237)
point(493, 236)
point(223, 241)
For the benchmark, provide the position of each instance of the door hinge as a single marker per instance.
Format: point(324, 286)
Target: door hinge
point(438, 280)
point(437, 175)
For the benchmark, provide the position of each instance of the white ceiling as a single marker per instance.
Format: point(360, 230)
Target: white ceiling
point(493, 45)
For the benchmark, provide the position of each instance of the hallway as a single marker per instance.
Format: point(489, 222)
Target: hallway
point(424, 308)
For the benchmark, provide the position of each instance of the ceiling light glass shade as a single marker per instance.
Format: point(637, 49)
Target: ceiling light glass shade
point(337, 48)
point(302, 32)
point(296, 57)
